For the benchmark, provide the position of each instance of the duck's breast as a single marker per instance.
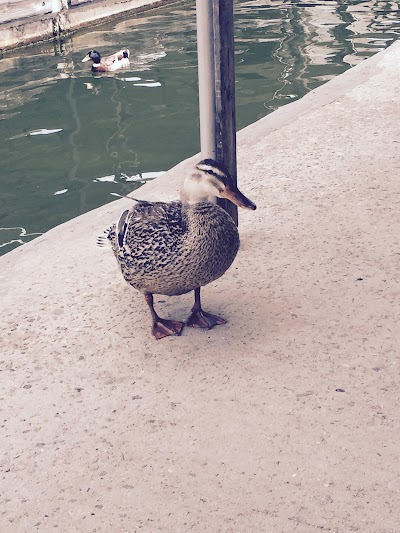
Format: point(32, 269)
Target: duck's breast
point(212, 244)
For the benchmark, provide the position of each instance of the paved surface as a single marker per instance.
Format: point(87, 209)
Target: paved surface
point(287, 418)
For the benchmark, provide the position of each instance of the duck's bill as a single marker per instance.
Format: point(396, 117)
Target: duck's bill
point(86, 58)
point(239, 199)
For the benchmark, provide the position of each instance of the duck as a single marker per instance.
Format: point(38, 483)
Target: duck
point(110, 63)
point(172, 248)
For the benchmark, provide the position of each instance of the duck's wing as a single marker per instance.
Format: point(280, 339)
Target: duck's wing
point(153, 240)
point(147, 223)
point(115, 233)
point(121, 228)
point(148, 239)
point(158, 222)
point(112, 58)
point(115, 58)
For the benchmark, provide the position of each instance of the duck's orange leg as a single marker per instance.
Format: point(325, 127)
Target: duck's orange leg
point(161, 327)
point(201, 319)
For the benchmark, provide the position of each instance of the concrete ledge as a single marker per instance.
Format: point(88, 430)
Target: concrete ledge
point(284, 419)
point(22, 32)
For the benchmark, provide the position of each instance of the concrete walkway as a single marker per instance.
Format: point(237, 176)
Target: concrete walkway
point(287, 419)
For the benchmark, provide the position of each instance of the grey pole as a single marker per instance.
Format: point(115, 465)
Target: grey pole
point(224, 58)
point(206, 73)
point(216, 69)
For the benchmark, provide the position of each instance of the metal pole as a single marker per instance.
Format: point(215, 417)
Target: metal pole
point(206, 73)
point(224, 58)
point(215, 51)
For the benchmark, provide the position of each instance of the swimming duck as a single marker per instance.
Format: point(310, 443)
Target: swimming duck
point(173, 248)
point(108, 64)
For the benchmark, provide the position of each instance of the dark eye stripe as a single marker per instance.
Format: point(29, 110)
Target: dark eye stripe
point(210, 167)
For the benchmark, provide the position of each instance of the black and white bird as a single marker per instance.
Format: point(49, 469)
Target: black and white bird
point(108, 64)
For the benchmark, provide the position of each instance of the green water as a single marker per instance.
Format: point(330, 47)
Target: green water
point(119, 129)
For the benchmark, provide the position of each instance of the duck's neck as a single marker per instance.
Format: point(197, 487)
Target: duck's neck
point(192, 204)
point(192, 194)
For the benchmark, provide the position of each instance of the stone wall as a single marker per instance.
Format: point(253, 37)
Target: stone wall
point(23, 22)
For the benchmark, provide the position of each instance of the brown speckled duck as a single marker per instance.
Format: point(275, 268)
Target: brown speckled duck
point(173, 248)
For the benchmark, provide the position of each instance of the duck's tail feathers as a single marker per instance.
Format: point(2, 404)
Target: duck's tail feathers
point(103, 240)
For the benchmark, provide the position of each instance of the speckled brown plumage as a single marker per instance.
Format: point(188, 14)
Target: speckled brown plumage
point(171, 248)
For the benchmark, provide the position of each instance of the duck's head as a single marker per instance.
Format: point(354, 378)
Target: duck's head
point(94, 55)
point(211, 180)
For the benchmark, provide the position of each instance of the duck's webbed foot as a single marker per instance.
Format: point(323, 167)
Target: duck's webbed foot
point(200, 318)
point(161, 327)
point(164, 328)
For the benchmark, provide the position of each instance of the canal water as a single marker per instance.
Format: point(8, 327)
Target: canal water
point(69, 138)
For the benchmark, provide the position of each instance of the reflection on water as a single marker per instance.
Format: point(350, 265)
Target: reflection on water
point(70, 138)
